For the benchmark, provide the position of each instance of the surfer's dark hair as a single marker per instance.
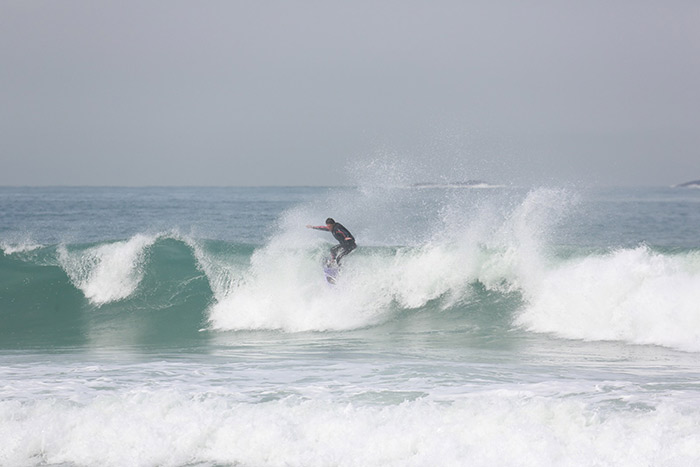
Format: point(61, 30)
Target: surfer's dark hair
point(330, 221)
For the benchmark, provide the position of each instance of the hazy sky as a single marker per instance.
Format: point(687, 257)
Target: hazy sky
point(301, 92)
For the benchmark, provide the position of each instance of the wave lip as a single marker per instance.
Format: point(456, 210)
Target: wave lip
point(109, 272)
point(19, 247)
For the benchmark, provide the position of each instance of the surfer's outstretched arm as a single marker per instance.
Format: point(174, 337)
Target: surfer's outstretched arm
point(318, 227)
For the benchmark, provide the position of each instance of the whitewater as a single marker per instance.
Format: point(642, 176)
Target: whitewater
point(480, 326)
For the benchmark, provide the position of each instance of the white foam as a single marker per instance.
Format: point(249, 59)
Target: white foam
point(633, 295)
point(107, 273)
point(143, 427)
point(285, 289)
point(284, 286)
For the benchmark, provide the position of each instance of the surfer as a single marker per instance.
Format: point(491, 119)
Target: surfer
point(343, 235)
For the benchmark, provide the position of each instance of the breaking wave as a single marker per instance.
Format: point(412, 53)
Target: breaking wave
point(451, 256)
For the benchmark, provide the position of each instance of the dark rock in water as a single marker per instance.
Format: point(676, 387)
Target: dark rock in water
point(467, 184)
point(693, 184)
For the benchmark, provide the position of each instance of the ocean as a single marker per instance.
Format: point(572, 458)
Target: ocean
point(473, 326)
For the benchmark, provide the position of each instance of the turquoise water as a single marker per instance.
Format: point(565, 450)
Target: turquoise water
point(494, 326)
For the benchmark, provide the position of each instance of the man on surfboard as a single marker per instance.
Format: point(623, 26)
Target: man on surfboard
point(343, 235)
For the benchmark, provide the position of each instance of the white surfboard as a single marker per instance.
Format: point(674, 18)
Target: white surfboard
point(331, 270)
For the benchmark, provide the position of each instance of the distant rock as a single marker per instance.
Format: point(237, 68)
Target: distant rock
point(693, 184)
point(467, 184)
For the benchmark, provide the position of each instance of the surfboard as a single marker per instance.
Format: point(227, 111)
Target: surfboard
point(331, 271)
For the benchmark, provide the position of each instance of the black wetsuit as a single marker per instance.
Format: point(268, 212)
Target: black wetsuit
point(343, 235)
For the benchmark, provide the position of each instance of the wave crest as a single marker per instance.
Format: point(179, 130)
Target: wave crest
point(633, 295)
point(108, 272)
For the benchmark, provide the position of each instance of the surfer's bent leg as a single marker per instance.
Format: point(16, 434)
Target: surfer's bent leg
point(344, 250)
point(334, 252)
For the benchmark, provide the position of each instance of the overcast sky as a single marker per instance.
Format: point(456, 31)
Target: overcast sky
point(305, 92)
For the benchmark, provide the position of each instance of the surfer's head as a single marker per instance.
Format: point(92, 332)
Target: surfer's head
point(330, 221)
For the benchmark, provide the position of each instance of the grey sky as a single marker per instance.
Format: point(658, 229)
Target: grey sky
point(295, 92)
